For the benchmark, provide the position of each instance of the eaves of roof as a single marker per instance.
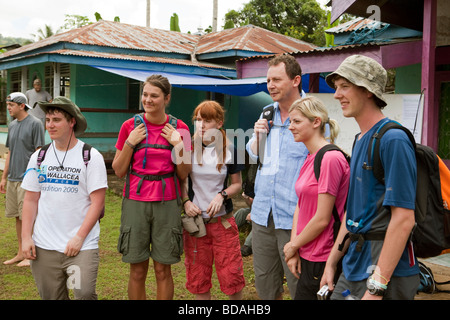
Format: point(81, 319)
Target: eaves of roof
point(319, 50)
point(118, 60)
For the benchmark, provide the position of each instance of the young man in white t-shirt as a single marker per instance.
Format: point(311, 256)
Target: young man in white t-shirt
point(69, 195)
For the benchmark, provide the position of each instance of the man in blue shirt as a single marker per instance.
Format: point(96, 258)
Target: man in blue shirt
point(373, 267)
point(275, 199)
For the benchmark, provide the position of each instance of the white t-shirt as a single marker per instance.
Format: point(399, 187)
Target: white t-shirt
point(64, 199)
point(207, 182)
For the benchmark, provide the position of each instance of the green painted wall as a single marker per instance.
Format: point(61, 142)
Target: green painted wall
point(408, 79)
point(91, 88)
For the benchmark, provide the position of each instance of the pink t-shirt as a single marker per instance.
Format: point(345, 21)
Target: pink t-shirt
point(334, 180)
point(159, 161)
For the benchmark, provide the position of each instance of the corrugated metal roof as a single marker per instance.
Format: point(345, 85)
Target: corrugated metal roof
point(119, 35)
point(318, 50)
point(131, 37)
point(250, 38)
point(103, 55)
point(357, 24)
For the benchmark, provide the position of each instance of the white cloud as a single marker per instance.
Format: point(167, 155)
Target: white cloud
point(22, 18)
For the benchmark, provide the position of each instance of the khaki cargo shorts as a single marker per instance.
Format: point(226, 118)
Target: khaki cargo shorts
point(14, 199)
point(150, 229)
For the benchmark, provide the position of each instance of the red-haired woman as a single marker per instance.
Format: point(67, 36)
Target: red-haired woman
point(208, 194)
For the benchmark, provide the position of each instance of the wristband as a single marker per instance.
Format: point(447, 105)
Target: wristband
point(375, 288)
point(129, 144)
point(185, 200)
point(387, 281)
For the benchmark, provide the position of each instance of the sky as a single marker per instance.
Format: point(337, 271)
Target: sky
point(23, 18)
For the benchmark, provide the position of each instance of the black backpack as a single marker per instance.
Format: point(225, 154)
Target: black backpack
point(86, 154)
point(317, 165)
point(431, 234)
point(427, 282)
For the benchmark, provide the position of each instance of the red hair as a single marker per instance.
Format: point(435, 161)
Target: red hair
point(211, 110)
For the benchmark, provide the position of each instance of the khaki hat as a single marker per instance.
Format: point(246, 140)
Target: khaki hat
point(71, 108)
point(363, 72)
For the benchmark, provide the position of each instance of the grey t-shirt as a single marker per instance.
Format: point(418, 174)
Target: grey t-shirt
point(24, 137)
point(34, 97)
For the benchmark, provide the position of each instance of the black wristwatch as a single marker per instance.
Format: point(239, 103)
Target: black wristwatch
point(224, 194)
point(375, 288)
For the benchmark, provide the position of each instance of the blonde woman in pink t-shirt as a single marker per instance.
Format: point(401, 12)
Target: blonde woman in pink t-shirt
point(312, 229)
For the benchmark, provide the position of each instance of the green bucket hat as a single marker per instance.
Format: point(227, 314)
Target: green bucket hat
point(363, 72)
point(71, 108)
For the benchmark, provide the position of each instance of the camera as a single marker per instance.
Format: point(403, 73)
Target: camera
point(323, 293)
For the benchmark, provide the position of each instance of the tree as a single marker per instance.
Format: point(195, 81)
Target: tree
point(98, 17)
point(47, 32)
point(302, 19)
point(73, 21)
point(174, 23)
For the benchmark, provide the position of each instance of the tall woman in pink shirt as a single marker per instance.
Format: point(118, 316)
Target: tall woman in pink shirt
point(312, 228)
point(152, 155)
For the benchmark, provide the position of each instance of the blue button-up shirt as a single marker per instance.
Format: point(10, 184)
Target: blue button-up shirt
point(275, 182)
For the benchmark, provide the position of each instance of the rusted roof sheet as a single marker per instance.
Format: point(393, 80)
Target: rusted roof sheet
point(318, 50)
point(250, 38)
point(126, 36)
point(103, 55)
point(119, 35)
point(356, 24)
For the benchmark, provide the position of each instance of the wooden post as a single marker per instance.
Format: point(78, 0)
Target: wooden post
point(314, 79)
point(430, 111)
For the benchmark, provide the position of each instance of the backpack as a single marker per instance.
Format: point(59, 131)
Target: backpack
point(427, 282)
point(138, 119)
point(317, 165)
point(431, 234)
point(86, 154)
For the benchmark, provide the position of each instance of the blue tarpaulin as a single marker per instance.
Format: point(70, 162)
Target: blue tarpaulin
point(233, 87)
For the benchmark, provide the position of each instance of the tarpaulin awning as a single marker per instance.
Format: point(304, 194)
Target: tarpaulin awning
point(238, 87)
point(233, 87)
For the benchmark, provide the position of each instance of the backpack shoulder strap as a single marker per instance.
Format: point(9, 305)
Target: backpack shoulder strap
point(173, 121)
point(41, 154)
point(86, 153)
point(321, 153)
point(317, 165)
point(374, 147)
point(138, 119)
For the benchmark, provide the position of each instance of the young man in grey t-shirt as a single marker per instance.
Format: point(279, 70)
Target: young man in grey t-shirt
point(25, 135)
